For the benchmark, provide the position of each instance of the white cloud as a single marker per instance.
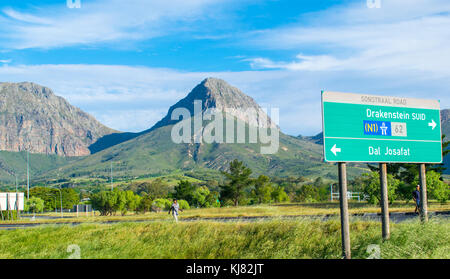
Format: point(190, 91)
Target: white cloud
point(99, 21)
point(134, 98)
point(135, 120)
point(406, 36)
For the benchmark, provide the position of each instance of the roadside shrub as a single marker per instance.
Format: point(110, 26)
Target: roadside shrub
point(436, 189)
point(162, 203)
point(183, 204)
point(371, 187)
point(279, 195)
point(145, 204)
point(9, 215)
point(307, 193)
point(34, 204)
point(109, 202)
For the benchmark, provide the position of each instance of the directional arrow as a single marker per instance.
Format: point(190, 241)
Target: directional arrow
point(432, 124)
point(335, 150)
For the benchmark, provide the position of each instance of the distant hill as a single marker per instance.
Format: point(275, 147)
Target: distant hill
point(153, 152)
point(317, 139)
point(33, 118)
point(445, 120)
point(14, 164)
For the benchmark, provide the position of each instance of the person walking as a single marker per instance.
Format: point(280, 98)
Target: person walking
point(416, 198)
point(174, 209)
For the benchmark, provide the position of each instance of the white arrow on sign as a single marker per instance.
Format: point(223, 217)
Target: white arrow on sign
point(432, 124)
point(335, 150)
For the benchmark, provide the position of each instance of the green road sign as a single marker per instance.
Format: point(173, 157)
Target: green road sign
point(368, 128)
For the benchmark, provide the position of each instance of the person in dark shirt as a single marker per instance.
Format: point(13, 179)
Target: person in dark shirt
point(416, 198)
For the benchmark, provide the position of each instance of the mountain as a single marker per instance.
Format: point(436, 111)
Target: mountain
point(14, 164)
point(33, 118)
point(445, 120)
point(216, 93)
point(318, 139)
point(153, 152)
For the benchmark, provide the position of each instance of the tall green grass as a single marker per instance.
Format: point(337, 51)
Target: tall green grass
point(279, 239)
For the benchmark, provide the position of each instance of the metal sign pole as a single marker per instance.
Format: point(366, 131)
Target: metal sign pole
point(384, 201)
point(345, 229)
point(423, 192)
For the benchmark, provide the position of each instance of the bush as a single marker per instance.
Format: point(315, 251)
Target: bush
point(307, 193)
point(162, 203)
point(183, 204)
point(109, 202)
point(185, 191)
point(104, 202)
point(279, 195)
point(371, 187)
point(9, 215)
point(34, 205)
point(52, 197)
point(199, 197)
point(436, 189)
point(145, 204)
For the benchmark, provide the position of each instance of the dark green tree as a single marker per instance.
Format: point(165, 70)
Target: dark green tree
point(185, 191)
point(436, 189)
point(237, 181)
point(307, 193)
point(262, 189)
point(371, 187)
point(105, 202)
point(145, 204)
point(34, 204)
point(52, 197)
point(278, 194)
point(157, 188)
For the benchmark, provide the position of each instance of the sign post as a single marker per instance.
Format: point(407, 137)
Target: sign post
point(384, 202)
point(423, 193)
point(380, 129)
point(345, 226)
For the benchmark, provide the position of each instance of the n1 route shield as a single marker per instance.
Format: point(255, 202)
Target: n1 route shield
point(380, 129)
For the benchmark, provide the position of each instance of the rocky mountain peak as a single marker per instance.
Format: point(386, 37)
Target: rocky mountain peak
point(217, 93)
point(222, 95)
point(33, 118)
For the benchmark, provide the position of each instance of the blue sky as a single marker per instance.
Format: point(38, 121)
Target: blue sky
point(126, 62)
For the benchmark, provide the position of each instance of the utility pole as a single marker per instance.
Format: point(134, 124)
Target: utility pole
point(28, 175)
point(384, 201)
point(16, 183)
point(111, 178)
point(423, 192)
point(345, 228)
point(331, 191)
point(60, 195)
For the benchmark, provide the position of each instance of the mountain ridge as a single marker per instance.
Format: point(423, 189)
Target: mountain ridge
point(153, 152)
point(217, 93)
point(34, 119)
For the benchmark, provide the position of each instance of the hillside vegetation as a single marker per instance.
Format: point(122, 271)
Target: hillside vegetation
point(15, 163)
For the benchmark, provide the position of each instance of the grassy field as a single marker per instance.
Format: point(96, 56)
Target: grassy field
point(279, 210)
point(276, 239)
